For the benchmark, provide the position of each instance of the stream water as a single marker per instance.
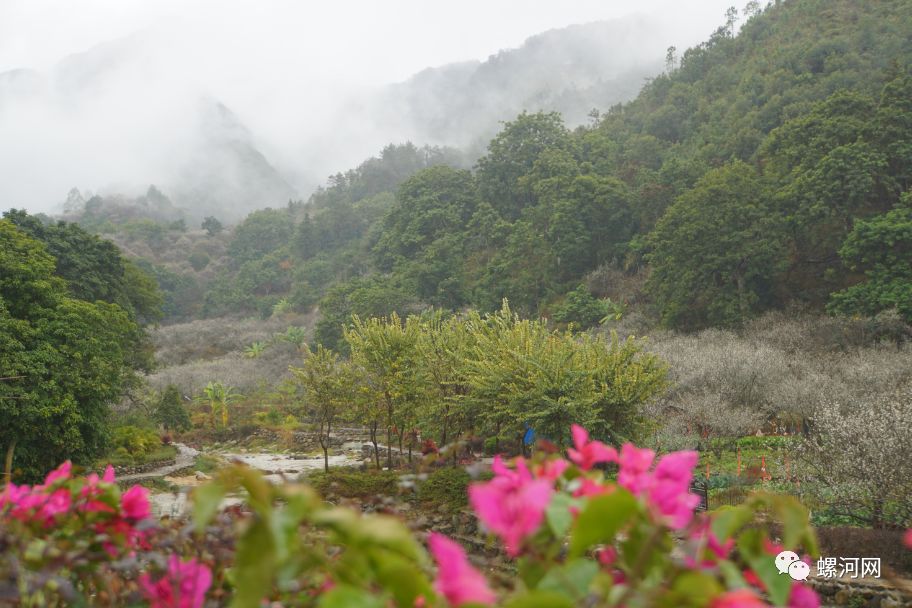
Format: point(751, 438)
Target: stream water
point(276, 466)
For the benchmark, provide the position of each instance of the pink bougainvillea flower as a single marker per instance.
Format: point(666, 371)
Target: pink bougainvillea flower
point(589, 453)
point(907, 538)
point(512, 505)
point(551, 469)
point(589, 487)
point(752, 579)
point(771, 547)
point(669, 488)
point(666, 488)
point(739, 598)
point(60, 473)
point(802, 596)
point(135, 503)
point(57, 503)
point(457, 580)
point(184, 585)
point(606, 556)
point(13, 495)
point(634, 468)
point(703, 534)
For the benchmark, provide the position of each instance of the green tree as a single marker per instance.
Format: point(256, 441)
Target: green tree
point(219, 398)
point(261, 233)
point(170, 411)
point(63, 360)
point(364, 297)
point(93, 268)
point(582, 309)
point(211, 225)
point(385, 350)
point(881, 248)
point(444, 343)
point(716, 251)
point(521, 374)
point(512, 154)
point(329, 388)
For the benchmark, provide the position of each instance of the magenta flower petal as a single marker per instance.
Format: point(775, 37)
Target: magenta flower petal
point(184, 585)
point(135, 503)
point(802, 596)
point(61, 472)
point(512, 505)
point(589, 453)
point(457, 580)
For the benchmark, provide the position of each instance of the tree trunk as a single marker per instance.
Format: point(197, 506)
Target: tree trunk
point(446, 421)
point(373, 437)
point(389, 432)
point(8, 465)
point(324, 443)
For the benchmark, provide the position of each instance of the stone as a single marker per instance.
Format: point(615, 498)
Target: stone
point(842, 597)
point(200, 476)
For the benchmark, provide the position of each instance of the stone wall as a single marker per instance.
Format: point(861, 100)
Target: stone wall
point(875, 593)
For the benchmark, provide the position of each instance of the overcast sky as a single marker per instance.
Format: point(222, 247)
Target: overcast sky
point(366, 41)
point(283, 66)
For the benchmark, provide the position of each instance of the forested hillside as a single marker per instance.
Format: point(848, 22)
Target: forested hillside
point(765, 167)
point(72, 312)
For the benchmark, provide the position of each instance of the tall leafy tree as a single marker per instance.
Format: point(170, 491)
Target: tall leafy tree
point(329, 388)
point(64, 361)
point(881, 249)
point(385, 349)
point(716, 251)
point(512, 154)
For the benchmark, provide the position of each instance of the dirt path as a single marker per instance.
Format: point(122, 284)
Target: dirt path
point(185, 458)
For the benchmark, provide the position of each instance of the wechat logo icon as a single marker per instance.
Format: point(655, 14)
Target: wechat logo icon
point(788, 562)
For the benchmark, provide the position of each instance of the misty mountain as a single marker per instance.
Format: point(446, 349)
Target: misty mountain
point(118, 123)
point(570, 70)
point(126, 114)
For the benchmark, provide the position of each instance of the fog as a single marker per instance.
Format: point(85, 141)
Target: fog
point(233, 105)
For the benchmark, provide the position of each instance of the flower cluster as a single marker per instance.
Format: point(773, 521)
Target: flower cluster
point(73, 527)
point(183, 586)
point(62, 495)
point(518, 502)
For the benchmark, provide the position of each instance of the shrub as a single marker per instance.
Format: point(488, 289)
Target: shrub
point(170, 411)
point(446, 488)
point(352, 483)
point(198, 260)
point(581, 309)
point(135, 441)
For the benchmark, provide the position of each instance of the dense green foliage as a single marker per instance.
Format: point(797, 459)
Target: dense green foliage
point(735, 179)
point(93, 268)
point(63, 360)
point(465, 377)
point(170, 412)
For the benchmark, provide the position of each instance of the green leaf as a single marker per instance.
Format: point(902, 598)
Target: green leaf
point(751, 547)
point(349, 597)
point(540, 599)
point(572, 578)
point(401, 577)
point(206, 502)
point(558, 513)
point(255, 566)
point(728, 520)
point(693, 589)
point(601, 519)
